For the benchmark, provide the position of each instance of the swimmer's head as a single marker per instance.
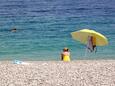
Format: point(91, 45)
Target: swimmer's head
point(13, 30)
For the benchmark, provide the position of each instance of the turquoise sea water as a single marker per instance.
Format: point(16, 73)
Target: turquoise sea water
point(44, 27)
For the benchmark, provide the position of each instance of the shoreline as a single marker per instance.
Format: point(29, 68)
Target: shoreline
point(58, 73)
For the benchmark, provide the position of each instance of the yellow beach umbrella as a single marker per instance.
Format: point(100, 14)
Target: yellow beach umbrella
point(82, 36)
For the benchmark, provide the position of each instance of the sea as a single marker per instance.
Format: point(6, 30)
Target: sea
point(44, 28)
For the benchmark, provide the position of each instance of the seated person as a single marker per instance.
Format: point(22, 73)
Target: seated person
point(65, 55)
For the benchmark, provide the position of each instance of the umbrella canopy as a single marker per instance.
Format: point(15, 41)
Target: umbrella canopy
point(82, 36)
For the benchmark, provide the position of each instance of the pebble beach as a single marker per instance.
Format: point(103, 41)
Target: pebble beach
point(58, 73)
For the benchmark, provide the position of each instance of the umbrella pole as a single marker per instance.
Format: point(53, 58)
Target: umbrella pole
point(86, 52)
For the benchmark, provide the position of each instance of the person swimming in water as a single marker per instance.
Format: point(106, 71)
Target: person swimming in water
point(65, 55)
point(13, 30)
